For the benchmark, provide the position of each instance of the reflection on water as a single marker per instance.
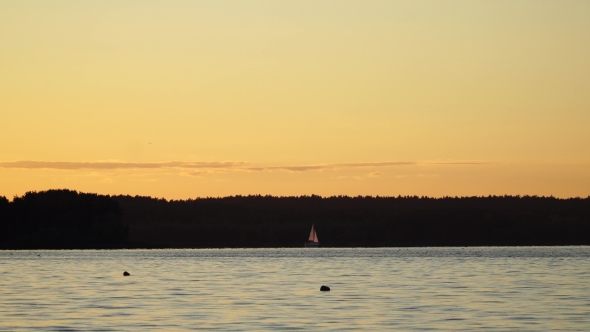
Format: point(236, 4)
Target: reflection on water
point(526, 288)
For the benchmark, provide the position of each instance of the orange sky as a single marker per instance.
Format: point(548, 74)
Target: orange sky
point(181, 99)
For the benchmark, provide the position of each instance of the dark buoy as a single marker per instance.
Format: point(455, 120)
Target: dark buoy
point(126, 273)
point(325, 289)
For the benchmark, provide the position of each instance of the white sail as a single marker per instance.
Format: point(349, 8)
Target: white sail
point(313, 237)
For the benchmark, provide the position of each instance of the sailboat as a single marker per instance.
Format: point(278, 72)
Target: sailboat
point(313, 241)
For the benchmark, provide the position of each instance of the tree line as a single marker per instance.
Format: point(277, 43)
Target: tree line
point(66, 219)
point(61, 219)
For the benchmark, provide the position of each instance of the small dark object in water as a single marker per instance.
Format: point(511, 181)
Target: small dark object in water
point(126, 273)
point(325, 289)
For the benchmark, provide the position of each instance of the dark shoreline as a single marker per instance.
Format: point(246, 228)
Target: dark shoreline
point(65, 219)
point(158, 247)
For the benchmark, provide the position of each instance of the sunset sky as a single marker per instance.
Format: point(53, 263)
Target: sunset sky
point(184, 99)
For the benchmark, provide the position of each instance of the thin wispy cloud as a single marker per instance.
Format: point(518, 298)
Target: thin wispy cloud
point(320, 167)
point(111, 165)
point(214, 165)
point(193, 173)
point(456, 162)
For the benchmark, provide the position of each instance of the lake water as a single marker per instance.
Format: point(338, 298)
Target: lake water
point(405, 289)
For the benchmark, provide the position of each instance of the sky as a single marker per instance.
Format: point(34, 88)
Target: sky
point(184, 99)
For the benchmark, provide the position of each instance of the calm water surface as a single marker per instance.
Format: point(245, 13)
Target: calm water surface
point(409, 289)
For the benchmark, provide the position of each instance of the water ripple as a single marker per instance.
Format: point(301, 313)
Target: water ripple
point(410, 289)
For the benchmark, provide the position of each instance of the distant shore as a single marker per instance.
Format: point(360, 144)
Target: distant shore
point(65, 219)
point(157, 247)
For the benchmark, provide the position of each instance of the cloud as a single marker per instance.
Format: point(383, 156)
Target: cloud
point(426, 175)
point(347, 177)
point(109, 165)
point(456, 162)
point(321, 167)
point(193, 173)
point(214, 165)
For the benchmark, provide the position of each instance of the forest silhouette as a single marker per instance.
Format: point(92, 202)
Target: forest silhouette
point(57, 219)
point(66, 219)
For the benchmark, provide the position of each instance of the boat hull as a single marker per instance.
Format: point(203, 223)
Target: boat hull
point(312, 245)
